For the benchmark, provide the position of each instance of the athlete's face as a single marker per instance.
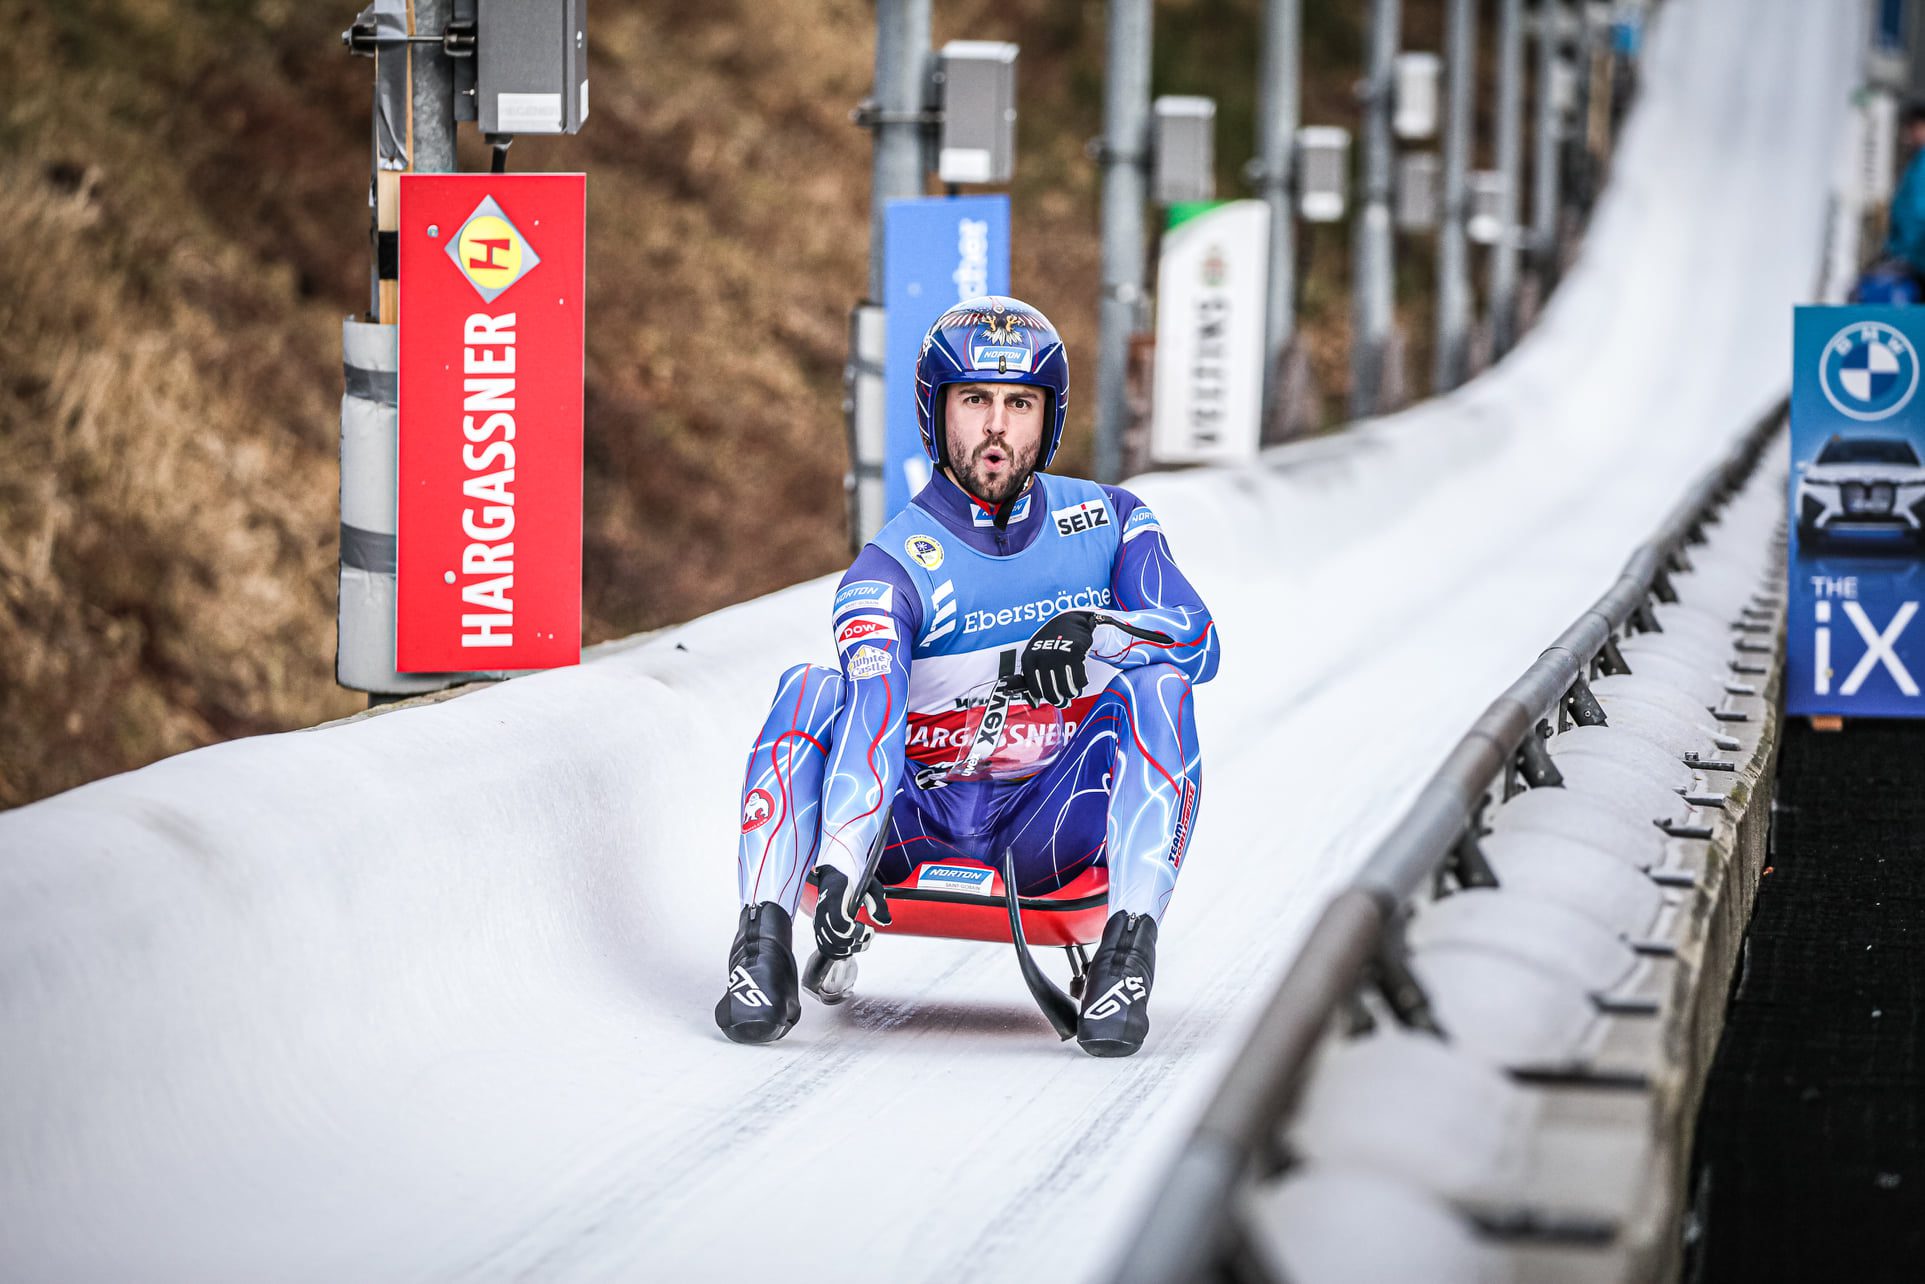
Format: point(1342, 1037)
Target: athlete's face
point(995, 432)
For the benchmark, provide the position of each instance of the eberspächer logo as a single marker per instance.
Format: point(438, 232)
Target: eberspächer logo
point(490, 251)
point(1869, 371)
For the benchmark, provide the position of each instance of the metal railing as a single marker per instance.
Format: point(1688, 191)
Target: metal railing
point(1188, 1232)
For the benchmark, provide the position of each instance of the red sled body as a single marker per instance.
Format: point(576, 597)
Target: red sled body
point(963, 900)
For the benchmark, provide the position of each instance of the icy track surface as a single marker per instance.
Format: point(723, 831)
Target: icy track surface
point(426, 995)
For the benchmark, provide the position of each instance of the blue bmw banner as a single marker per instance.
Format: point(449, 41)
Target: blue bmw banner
point(1855, 643)
point(936, 251)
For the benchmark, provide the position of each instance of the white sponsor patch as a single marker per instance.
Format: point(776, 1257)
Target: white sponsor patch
point(1141, 520)
point(864, 628)
point(983, 356)
point(869, 596)
point(1078, 518)
point(868, 662)
point(974, 879)
point(986, 517)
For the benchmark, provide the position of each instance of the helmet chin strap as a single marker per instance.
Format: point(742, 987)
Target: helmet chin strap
point(1008, 506)
point(1003, 508)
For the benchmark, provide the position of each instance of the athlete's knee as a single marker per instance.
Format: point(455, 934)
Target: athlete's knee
point(809, 680)
point(811, 673)
point(807, 695)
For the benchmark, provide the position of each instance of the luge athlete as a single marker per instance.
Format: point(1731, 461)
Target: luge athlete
point(995, 568)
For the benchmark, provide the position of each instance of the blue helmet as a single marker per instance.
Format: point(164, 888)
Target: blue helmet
point(991, 339)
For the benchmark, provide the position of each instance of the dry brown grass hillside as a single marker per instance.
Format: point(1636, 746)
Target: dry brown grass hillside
point(182, 224)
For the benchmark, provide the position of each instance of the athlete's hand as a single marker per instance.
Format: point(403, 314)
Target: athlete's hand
point(1053, 657)
point(838, 932)
point(1053, 668)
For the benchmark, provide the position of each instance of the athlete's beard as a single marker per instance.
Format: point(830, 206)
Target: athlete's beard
point(1014, 477)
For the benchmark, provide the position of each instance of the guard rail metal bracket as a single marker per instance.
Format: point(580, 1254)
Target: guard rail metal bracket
point(1398, 985)
point(1469, 865)
point(1534, 761)
point(1582, 704)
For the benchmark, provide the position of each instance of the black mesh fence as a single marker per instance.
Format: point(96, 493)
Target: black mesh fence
point(1810, 1159)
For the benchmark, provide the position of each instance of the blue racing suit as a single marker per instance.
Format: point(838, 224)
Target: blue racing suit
point(939, 604)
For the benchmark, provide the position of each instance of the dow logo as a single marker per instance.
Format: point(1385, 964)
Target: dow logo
point(1869, 371)
point(490, 251)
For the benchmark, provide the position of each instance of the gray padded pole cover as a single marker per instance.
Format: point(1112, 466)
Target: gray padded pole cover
point(364, 650)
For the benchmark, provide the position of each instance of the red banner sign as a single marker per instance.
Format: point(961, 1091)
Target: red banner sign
point(489, 540)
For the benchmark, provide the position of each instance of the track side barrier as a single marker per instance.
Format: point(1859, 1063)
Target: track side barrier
point(1649, 1028)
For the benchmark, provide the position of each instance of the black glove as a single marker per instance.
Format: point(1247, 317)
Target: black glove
point(1053, 670)
point(838, 933)
point(1053, 657)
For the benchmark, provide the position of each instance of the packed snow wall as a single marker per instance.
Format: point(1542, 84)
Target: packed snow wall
point(427, 993)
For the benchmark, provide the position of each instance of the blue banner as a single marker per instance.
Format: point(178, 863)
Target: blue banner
point(1855, 643)
point(936, 251)
point(1891, 25)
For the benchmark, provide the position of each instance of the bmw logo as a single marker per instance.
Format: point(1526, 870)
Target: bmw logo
point(1869, 371)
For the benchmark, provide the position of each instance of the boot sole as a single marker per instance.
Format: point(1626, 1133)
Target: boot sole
point(748, 1032)
point(1109, 1047)
point(758, 1031)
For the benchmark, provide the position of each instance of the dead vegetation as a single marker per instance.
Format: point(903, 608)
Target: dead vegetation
point(183, 198)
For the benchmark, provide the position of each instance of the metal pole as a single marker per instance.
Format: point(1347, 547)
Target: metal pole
point(1371, 264)
point(434, 91)
point(414, 130)
point(1126, 127)
point(1279, 110)
point(1544, 161)
point(902, 58)
point(1510, 145)
point(1453, 249)
point(898, 168)
point(1576, 143)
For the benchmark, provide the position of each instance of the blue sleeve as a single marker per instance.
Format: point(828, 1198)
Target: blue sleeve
point(1907, 240)
point(1153, 594)
point(875, 619)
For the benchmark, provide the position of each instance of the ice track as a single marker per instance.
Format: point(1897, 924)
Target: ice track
point(426, 996)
